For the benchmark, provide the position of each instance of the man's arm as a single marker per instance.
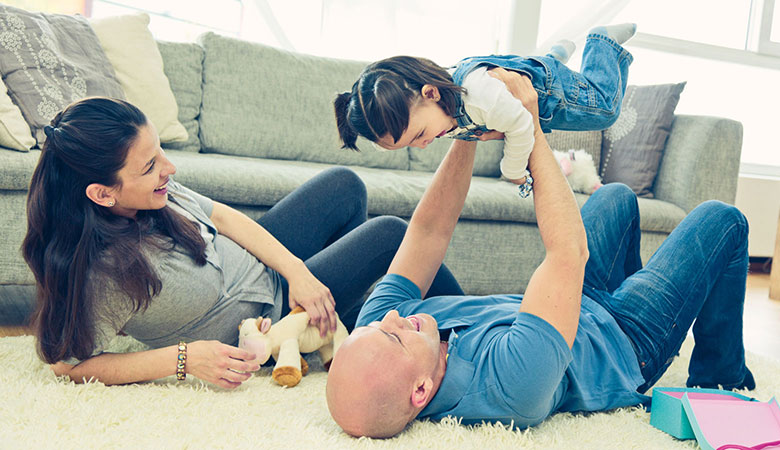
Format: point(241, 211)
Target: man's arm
point(426, 240)
point(554, 292)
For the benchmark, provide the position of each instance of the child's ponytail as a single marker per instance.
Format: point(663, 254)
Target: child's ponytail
point(347, 134)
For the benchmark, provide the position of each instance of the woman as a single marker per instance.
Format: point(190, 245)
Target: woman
point(117, 246)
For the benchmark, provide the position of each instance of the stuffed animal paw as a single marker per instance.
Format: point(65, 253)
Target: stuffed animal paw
point(579, 169)
point(285, 340)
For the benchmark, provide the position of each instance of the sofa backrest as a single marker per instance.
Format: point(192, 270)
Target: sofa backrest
point(183, 65)
point(489, 154)
point(248, 99)
point(266, 102)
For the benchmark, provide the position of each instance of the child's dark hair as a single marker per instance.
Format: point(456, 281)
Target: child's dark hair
point(382, 97)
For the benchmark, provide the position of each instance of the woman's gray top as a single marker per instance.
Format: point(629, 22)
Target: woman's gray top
point(196, 302)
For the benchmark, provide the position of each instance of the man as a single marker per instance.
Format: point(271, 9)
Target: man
point(593, 331)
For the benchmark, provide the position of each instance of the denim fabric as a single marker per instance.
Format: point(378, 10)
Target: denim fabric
point(698, 274)
point(323, 222)
point(568, 100)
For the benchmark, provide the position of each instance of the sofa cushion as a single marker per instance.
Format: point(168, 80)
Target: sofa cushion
point(17, 169)
point(133, 53)
point(485, 162)
point(634, 144)
point(14, 131)
point(590, 141)
point(13, 222)
point(489, 154)
point(280, 106)
point(263, 182)
point(183, 65)
point(49, 61)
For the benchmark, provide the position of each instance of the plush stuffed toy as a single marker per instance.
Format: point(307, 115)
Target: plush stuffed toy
point(579, 169)
point(285, 340)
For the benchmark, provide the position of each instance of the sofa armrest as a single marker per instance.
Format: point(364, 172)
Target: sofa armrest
point(700, 161)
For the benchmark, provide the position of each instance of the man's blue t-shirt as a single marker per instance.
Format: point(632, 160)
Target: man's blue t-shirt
point(515, 368)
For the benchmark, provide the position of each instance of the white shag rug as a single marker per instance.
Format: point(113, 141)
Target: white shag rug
point(39, 411)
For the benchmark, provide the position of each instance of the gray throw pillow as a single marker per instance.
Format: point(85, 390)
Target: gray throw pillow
point(632, 147)
point(49, 61)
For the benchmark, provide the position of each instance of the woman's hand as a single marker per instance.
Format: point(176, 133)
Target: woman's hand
point(309, 293)
point(218, 363)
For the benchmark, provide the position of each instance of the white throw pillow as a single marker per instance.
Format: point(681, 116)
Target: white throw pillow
point(133, 52)
point(14, 131)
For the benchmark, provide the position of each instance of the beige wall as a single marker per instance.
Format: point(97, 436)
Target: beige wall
point(758, 197)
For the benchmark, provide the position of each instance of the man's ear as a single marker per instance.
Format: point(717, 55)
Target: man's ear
point(101, 194)
point(422, 393)
point(430, 92)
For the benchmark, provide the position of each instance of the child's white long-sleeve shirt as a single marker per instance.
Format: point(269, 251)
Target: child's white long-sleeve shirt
point(489, 102)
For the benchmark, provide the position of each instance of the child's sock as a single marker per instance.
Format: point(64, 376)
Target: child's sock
point(620, 32)
point(562, 50)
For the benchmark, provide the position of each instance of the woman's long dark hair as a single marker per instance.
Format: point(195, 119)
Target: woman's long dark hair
point(382, 97)
point(69, 237)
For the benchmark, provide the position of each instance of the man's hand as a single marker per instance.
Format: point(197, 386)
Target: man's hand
point(520, 87)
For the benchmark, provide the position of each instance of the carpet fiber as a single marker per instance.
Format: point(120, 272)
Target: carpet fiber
point(40, 411)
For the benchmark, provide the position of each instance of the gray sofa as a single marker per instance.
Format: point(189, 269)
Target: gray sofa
point(260, 123)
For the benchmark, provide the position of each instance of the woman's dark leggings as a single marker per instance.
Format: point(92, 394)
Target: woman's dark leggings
point(324, 222)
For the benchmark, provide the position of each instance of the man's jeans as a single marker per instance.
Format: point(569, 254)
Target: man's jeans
point(568, 100)
point(698, 274)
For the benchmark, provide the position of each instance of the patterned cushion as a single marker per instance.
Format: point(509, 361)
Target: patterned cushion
point(633, 146)
point(49, 61)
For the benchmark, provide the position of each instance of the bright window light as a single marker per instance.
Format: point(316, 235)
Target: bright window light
point(723, 24)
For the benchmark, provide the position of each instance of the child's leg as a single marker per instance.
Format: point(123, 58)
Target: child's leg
point(590, 99)
point(620, 33)
point(562, 50)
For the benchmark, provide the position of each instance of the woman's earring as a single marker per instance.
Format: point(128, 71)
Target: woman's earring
point(110, 204)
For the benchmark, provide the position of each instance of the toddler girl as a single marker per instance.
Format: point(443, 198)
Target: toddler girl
point(408, 101)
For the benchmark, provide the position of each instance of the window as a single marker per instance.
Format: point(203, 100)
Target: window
point(769, 27)
point(714, 46)
point(724, 24)
point(443, 30)
point(178, 20)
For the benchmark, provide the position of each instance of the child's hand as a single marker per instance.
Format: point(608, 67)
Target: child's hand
point(517, 181)
point(492, 135)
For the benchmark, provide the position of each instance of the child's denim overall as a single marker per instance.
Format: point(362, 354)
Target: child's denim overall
point(568, 100)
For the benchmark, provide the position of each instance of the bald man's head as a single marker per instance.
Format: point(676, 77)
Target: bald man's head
point(384, 374)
